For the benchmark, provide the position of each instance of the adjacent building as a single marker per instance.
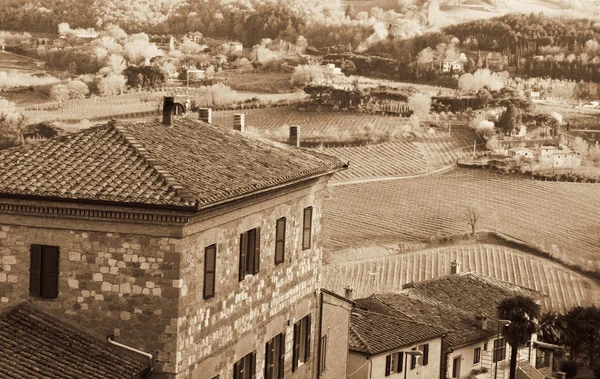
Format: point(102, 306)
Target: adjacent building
point(190, 242)
point(465, 305)
point(382, 346)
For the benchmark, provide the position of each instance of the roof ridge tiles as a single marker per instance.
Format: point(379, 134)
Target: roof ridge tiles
point(151, 161)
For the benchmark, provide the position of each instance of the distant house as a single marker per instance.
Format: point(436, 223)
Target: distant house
point(559, 157)
point(232, 47)
point(452, 66)
point(465, 305)
point(534, 95)
point(379, 346)
point(520, 152)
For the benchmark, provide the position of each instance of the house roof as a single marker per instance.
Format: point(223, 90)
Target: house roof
point(192, 164)
point(33, 344)
point(451, 302)
point(374, 333)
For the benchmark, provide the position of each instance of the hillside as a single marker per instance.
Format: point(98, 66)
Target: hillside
point(560, 218)
point(392, 269)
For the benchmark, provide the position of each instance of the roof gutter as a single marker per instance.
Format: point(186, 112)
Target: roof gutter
point(111, 340)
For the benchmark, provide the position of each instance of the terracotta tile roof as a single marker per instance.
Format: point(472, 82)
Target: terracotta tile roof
point(451, 302)
point(35, 345)
point(374, 333)
point(145, 162)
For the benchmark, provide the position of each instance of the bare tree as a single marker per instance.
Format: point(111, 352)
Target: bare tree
point(472, 218)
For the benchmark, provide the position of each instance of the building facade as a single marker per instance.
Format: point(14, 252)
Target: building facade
point(196, 244)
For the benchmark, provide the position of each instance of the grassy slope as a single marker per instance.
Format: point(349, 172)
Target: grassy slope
point(393, 269)
point(561, 218)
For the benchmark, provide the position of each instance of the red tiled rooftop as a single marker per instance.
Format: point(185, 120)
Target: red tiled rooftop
point(192, 164)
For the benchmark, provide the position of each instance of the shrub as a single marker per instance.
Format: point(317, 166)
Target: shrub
point(597, 372)
point(569, 368)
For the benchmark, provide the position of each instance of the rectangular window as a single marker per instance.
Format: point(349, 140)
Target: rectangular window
point(456, 367)
point(249, 253)
point(307, 228)
point(485, 346)
point(245, 368)
point(393, 363)
point(274, 357)
point(280, 241)
point(323, 357)
point(43, 271)
point(210, 264)
point(477, 355)
point(301, 342)
point(424, 359)
point(499, 350)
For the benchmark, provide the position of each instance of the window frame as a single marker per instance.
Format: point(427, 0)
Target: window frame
point(245, 367)
point(44, 271)
point(280, 253)
point(323, 354)
point(208, 273)
point(499, 350)
point(477, 355)
point(307, 228)
point(302, 340)
point(394, 363)
point(249, 256)
point(275, 357)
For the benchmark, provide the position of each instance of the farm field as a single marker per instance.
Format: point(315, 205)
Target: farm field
point(19, 63)
point(560, 218)
point(388, 273)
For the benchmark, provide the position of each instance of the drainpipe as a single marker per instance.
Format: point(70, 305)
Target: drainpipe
point(111, 340)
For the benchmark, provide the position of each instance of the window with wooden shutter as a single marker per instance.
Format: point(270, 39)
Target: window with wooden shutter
point(425, 357)
point(280, 240)
point(323, 355)
point(301, 342)
point(477, 355)
point(245, 368)
point(249, 253)
point(274, 357)
point(210, 265)
point(389, 359)
point(400, 360)
point(44, 271)
point(307, 228)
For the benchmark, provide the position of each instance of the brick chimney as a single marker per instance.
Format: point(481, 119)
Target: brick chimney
point(168, 111)
point(454, 267)
point(348, 292)
point(239, 122)
point(481, 321)
point(294, 139)
point(206, 115)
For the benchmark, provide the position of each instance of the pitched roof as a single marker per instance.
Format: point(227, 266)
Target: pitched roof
point(35, 345)
point(190, 164)
point(451, 302)
point(375, 333)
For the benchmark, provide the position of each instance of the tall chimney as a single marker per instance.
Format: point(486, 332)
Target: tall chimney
point(206, 115)
point(294, 139)
point(239, 122)
point(454, 267)
point(168, 111)
point(348, 292)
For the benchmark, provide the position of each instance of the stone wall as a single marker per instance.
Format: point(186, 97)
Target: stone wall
point(109, 283)
point(244, 315)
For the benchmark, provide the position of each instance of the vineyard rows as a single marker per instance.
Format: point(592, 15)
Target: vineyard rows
point(385, 159)
point(560, 218)
point(565, 288)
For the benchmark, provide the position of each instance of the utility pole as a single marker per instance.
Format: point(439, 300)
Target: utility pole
point(474, 147)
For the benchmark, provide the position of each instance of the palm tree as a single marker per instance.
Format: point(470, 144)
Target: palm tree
point(523, 314)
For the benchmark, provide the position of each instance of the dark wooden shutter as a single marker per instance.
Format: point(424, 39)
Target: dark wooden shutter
point(388, 365)
point(256, 267)
point(269, 353)
point(296, 351)
point(400, 362)
point(210, 265)
point(243, 252)
point(236, 369)
point(413, 362)
point(251, 237)
point(252, 373)
point(425, 354)
point(280, 240)
point(35, 270)
point(308, 337)
point(49, 272)
point(281, 355)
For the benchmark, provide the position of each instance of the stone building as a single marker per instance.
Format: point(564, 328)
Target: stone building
point(191, 242)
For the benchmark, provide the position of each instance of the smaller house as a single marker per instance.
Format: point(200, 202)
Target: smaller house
point(452, 66)
point(559, 157)
point(520, 152)
point(232, 47)
point(382, 346)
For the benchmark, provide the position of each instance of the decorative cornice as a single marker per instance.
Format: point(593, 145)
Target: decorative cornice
point(92, 214)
